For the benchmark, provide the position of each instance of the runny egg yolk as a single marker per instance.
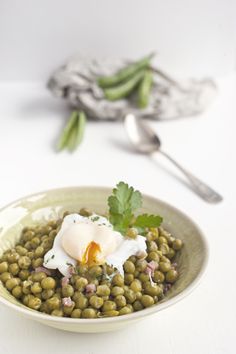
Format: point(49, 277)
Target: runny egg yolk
point(91, 255)
point(89, 243)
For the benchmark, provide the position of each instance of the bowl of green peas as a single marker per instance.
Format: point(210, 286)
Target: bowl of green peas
point(97, 297)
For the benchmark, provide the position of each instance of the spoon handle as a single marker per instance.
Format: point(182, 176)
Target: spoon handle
point(203, 190)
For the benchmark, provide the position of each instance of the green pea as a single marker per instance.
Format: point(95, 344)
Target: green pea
point(171, 276)
point(76, 313)
point(57, 312)
point(24, 274)
point(171, 253)
point(37, 263)
point(24, 262)
point(26, 288)
point(26, 299)
point(68, 309)
point(13, 257)
point(141, 265)
point(35, 242)
point(34, 303)
point(22, 251)
point(30, 254)
point(44, 308)
point(132, 233)
point(165, 266)
point(28, 235)
point(82, 269)
point(138, 295)
point(11, 283)
point(153, 290)
point(136, 285)
point(120, 301)
point(147, 300)
point(39, 252)
point(137, 305)
point(52, 234)
point(14, 268)
point(81, 283)
point(96, 302)
point(103, 290)
point(3, 267)
point(117, 290)
point(85, 212)
point(46, 294)
point(82, 302)
point(53, 303)
point(17, 291)
point(164, 248)
point(125, 311)
point(151, 246)
point(118, 280)
point(89, 313)
point(108, 306)
point(158, 277)
point(111, 313)
point(177, 244)
point(130, 296)
point(67, 290)
point(143, 277)
point(36, 288)
point(95, 271)
point(153, 256)
point(128, 278)
point(129, 267)
point(38, 276)
point(48, 283)
point(161, 240)
point(155, 232)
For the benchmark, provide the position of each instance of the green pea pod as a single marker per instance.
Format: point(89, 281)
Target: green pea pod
point(77, 133)
point(67, 130)
point(144, 89)
point(124, 89)
point(125, 73)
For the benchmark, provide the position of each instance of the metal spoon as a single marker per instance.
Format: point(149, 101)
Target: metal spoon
point(146, 141)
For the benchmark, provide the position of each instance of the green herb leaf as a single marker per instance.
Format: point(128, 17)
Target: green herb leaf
point(146, 220)
point(122, 204)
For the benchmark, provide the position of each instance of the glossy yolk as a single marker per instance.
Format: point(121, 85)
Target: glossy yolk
point(90, 256)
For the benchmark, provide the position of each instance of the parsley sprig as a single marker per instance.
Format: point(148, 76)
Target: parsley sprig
point(122, 204)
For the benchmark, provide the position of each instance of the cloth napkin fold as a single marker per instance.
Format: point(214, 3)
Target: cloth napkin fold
point(76, 82)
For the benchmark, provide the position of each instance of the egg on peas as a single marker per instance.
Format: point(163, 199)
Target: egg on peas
point(90, 240)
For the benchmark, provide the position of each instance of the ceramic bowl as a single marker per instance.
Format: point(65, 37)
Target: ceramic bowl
point(47, 205)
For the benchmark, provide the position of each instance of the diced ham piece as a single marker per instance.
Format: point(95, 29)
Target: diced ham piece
point(90, 288)
point(151, 267)
point(64, 281)
point(44, 270)
point(67, 302)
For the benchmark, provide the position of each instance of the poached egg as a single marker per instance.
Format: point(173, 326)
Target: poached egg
point(91, 240)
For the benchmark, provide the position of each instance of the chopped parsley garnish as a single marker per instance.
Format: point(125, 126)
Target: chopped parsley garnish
point(122, 204)
point(95, 218)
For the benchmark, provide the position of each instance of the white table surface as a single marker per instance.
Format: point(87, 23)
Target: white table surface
point(205, 322)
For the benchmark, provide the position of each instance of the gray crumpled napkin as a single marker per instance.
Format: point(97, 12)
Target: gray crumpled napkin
point(76, 83)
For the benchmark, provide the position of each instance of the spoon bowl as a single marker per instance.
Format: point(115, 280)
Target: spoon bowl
point(146, 141)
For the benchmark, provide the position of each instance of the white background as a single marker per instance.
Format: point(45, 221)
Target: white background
point(193, 38)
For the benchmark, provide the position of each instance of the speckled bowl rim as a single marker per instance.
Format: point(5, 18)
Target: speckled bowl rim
point(129, 317)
